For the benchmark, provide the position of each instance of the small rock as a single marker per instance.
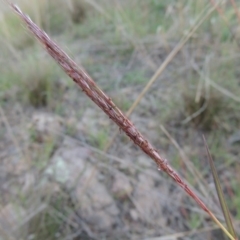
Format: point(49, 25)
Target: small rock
point(68, 164)
point(70, 167)
point(134, 214)
point(126, 167)
point(17, 165)
point(147, 201)
point(152, 124)
point(234, 138)
point(46, 126)
point(48, 188)
point(27, 181)
point(95, 203)
point(121, 187)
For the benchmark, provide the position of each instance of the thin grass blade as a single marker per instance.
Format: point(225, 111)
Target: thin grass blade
point(218, 187)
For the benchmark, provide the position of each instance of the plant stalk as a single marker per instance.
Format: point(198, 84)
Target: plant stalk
point(88, 86)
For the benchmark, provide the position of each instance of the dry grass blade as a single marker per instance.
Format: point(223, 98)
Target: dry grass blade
point(183, 235)
point(169, 59)
point(235, 9)
point(163, 66)
point(221, 198)
point(222, 90)
point(220, 12)
point(89, 87)
point(187, 162)
point(226, 21)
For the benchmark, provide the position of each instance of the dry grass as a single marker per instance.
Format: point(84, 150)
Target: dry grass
point(112, 42)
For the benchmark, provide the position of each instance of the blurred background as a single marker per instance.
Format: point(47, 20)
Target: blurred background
point(63, 174)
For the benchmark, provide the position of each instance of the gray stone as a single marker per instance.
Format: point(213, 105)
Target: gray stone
point(71, 168)
point(121, 187)
point(46, 126)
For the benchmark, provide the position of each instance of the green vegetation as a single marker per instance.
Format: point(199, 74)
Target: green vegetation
point(236, 199)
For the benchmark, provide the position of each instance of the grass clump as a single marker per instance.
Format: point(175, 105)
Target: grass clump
point(236, 199)
point(35, 79)
point(38, 83)
point(203, 111)
point(144, 20)
point(78, 11)
point(48, 224)
point(37, 96)
point(55, 17)
point(13, 33)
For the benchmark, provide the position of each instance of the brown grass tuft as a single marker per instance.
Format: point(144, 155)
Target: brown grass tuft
point(202, 112)
point(78, 12)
